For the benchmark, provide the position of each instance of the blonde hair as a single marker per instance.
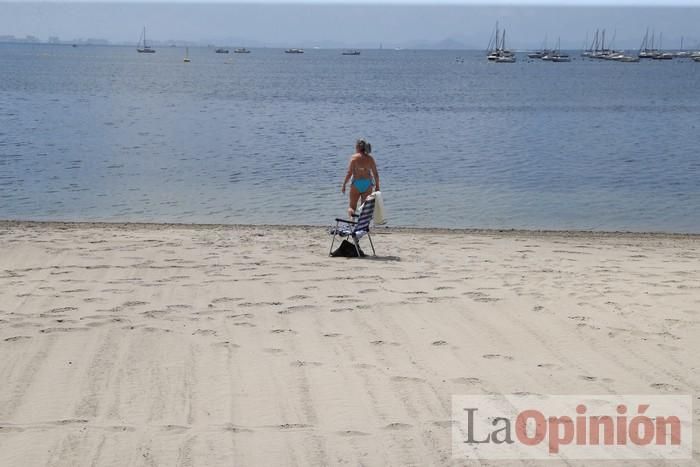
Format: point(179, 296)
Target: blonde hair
point(363, 146)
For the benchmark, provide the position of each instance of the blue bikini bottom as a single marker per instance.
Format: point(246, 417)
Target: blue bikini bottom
point(362, 184)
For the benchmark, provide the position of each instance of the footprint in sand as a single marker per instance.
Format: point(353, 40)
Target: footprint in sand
point(438, 343)
point(235, 429)
point(52, 330)
point(588, 378)
point(69, 421)
point(351, 433)
point(245, 324)
point(226, 299)
point(380, 342)
point(466, 380)
point(403, 379)
point(665, 387)
point(175, 428)
point(17, 338)
point(226, 344)
point(120, 428)
point(364, 366)
point(444, 423)
point(397, 426)
point(301, 363)
point(152, 329)
point(579, 318)
point(283, 331)
point(492, 356)
point(296, 308)
point(11, 429)
point(64, 309)
point(94, 299)
point(293, 426)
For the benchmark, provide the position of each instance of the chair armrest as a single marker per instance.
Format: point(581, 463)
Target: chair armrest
point(337, 219)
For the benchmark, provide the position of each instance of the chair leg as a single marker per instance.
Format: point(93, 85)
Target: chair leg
point(333, 240)
point(371, 244)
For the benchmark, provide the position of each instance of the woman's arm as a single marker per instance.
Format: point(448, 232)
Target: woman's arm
point(347, 176)
point(376, 175)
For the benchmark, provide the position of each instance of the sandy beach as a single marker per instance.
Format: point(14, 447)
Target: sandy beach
point(247, 345)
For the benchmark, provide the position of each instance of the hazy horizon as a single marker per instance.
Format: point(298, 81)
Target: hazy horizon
point(349, 25)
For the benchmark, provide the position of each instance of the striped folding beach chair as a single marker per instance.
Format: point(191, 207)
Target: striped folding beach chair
point(355, 229)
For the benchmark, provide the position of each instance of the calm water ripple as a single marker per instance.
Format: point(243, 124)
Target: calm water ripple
point(104, 133)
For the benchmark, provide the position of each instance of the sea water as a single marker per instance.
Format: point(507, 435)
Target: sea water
point(107, 134)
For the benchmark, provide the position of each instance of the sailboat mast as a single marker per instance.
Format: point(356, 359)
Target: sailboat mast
point(498, 44)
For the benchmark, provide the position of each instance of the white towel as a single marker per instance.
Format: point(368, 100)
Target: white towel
point(379, 211)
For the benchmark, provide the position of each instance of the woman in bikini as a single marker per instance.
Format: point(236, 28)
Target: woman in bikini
point(363, 171)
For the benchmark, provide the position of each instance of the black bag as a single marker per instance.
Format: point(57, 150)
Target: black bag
point(347, 250)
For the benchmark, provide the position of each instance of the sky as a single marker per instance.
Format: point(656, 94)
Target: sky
point(331, 23)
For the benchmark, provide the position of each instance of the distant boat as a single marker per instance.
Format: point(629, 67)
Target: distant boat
point(661, 55)
point(646, 50)
point(682, 53)
point(351, 52)
point(539, 53)
point(556, 56)
point(221, 51)
point(294, 51)
point(143, 47)
point(187, 55)
point(497, 49)
point(543, 52)
point(241, 50)
point(628, 59)
point(696, 58)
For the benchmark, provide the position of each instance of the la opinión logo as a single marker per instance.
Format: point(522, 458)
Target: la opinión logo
point(575, 427)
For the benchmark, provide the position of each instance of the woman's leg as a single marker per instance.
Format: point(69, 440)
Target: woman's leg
point(363, 196)
point(354, 197)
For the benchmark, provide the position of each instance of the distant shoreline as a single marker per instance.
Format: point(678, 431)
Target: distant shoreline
point(7, 223)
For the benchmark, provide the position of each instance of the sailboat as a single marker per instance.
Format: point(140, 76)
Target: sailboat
point(556, 55)
point(499, 53)
point(544, 51)
point(681, 52)
point(645, 50)
point(143, 47)
point(660, 54)
point(187, 55)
